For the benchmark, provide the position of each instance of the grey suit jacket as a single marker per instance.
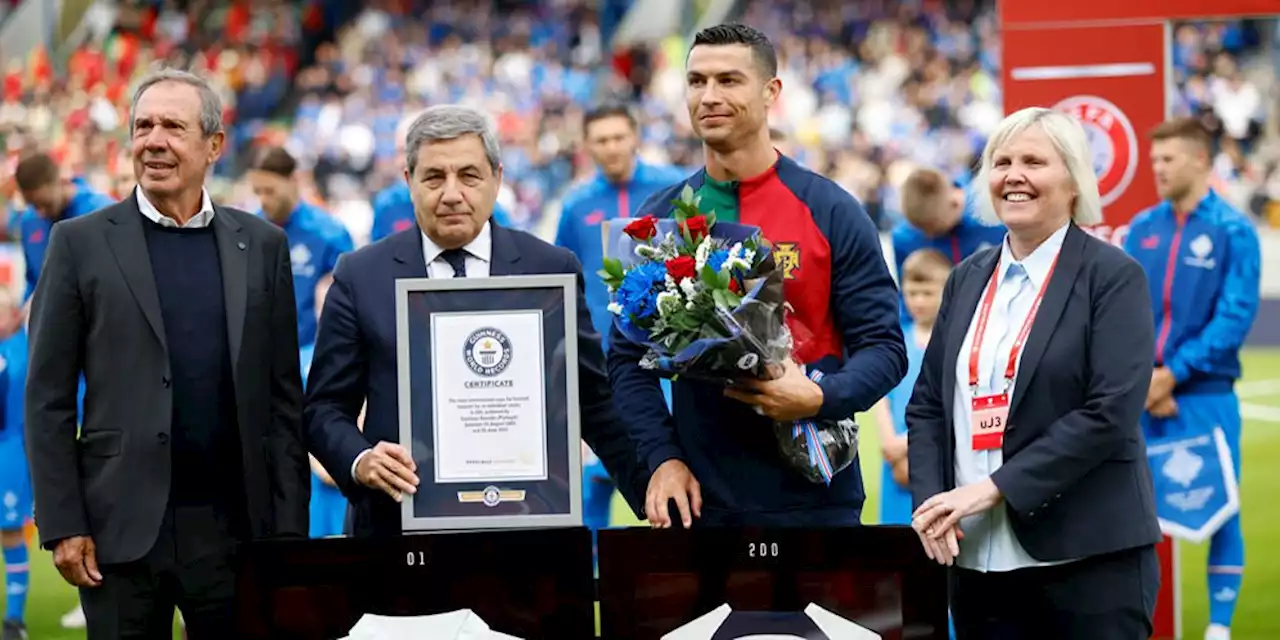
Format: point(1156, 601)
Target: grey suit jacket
point(96, 311)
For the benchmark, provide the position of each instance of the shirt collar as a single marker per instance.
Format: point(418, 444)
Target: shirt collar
point(1037, 264)
point(202, 219)
point(481, 247)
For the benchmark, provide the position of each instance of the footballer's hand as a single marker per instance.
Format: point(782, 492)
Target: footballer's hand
point(673, 481)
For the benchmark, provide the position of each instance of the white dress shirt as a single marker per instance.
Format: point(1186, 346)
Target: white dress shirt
point(989, 542)
point(479, 254)
point(202, 219)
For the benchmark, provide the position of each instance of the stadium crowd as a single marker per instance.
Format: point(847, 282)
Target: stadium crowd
point(871, 90)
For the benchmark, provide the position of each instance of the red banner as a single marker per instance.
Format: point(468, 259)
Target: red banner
point(1113, 80)
point(1042, 13)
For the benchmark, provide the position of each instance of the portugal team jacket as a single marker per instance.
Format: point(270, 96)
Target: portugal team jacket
point(845, 311)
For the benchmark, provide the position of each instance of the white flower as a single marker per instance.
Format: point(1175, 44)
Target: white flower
point(703, 252)
point(615, 308)
point(668, 302)
point(689, 287)
point(645, 251)
point(671, 283)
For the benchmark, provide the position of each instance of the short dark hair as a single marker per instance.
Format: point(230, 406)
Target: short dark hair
point(276, 160)
point(36, 170)
point(608, 110)
point(777, 135)
point(1189, 129)
point(725, 34)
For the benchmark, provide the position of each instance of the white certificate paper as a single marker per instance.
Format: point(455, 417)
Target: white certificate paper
point(490, 397)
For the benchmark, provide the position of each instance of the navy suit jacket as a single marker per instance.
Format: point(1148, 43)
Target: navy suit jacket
point(355, 361)
point(1075, 478)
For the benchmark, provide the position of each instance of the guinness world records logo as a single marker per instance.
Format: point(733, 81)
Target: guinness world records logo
point(487, 351)
point(1113, 143)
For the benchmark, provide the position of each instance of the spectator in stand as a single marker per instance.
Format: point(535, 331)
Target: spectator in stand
point(51, 198)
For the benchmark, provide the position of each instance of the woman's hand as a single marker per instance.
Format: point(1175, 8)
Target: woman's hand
point(945, 549)
point(942, 513)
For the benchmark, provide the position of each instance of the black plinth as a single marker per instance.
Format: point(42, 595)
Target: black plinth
point(532, 584)
point(655, 581)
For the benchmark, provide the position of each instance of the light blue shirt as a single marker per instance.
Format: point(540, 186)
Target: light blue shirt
point(989, 542)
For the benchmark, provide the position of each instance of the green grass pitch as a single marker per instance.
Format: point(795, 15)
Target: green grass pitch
point(1256, 617)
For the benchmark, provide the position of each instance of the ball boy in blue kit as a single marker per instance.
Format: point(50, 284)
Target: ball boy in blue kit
point(924, 274)
point(15, 481)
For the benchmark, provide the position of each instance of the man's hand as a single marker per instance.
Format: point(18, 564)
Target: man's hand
point(1166, 408)
point(791, 397)
point(672, 480)
point(388, 468)
point(894, 449)
point(939, 514)
point(1162, 384)
point(77, 560)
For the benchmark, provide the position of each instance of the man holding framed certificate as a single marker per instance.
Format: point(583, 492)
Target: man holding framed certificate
point(475, 388)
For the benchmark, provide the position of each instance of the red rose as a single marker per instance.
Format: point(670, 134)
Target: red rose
point(697, 227)
point(681, 267)
point(642, 229)
point(735, 286)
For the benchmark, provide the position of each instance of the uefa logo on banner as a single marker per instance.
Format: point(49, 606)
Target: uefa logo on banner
point(1111, 139)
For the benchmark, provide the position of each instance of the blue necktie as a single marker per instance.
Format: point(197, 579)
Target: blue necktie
point(457, 258)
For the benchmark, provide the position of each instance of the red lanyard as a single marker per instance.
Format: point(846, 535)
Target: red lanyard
point(1011, 368)
point(955, 249)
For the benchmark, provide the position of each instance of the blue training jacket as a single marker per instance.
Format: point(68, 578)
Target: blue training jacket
point(34, 229)
point(393, 211)
point(316, 241)
point(1204, 272)
point(586, 206)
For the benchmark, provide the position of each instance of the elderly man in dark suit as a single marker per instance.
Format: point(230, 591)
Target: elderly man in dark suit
point(180, 314)
point(454, 173)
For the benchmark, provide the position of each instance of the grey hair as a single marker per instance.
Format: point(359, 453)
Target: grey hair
point(1068, 138)
point(446, 122)
point(210, 102)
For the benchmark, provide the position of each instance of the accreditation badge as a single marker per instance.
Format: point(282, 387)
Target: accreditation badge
point(987, 420)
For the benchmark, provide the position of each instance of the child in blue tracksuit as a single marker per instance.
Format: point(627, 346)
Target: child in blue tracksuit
point(328, 505)
point(1203, 265)
point(924, 274)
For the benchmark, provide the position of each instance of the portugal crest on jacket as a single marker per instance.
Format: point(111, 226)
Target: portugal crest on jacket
point(788, 256)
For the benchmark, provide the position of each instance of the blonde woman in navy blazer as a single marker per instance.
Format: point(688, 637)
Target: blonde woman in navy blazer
point(1027, 464)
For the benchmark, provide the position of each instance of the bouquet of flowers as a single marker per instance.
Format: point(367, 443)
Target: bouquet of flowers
point(706, 298)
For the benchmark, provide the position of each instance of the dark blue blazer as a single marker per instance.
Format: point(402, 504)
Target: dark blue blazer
point(355, 361)
point(1075, 478)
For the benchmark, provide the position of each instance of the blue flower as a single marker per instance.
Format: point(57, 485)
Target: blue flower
point(717, 259)
point(638, 294)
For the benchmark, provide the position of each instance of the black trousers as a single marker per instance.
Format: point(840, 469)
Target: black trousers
point(1107, 597)
point(191, 567)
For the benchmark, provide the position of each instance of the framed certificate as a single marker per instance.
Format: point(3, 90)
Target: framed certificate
point(489, 401)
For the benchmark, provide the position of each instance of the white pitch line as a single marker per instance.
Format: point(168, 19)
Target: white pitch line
point(1258, 388)
point(1261, 412)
